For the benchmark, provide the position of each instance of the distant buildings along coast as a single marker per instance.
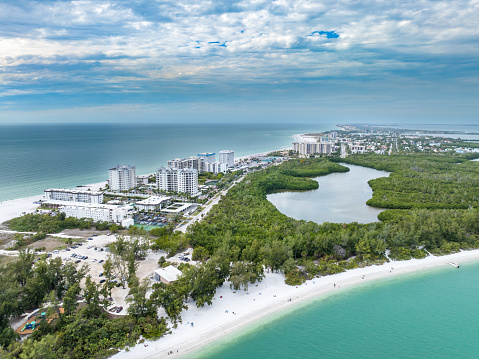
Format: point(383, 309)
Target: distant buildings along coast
point(178, 179)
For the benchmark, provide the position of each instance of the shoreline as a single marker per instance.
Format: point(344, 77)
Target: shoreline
point(265, 302)
point(269, 300)
point(15, 207)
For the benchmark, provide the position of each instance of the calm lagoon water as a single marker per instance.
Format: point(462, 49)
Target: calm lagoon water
point(340, 198)
point(426, 315)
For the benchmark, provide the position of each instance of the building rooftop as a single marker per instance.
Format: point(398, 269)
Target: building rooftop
point(82, 204)
point(77, 191)
point(154, 200)
point(178, 207)
point(122, 167)
point(169, 273)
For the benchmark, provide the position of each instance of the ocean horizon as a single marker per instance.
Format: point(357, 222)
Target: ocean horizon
point(37, 157)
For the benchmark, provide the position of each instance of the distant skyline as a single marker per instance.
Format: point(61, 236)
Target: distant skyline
point(239, 61)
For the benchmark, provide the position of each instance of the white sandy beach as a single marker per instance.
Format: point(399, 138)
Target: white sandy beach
point(261, 154)
point(232, 311)
point(16, 207)
point(271, 296)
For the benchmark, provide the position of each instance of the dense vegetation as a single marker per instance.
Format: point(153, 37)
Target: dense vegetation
point(80, 331)
point(433, 201)
point(48, 223)
point(254, 231)
point(423, 181)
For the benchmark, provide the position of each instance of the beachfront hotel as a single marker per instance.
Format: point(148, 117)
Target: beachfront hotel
point(227, 157)
point(194, 162)
point(207, 157)
point(309, 148)
point(122, 178)
point(177, 180)
point(98, 212)
point(215, 167)
point(73, 195)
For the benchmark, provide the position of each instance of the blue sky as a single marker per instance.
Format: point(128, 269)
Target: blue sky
point(253, 60)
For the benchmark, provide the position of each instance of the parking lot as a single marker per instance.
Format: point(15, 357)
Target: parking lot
point(93, 252)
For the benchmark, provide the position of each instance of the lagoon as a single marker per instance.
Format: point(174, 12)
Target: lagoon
point(340, 198)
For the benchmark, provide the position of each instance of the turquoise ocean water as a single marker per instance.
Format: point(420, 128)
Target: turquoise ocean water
point(426, 315)
point(433, 315)
point(36, 157)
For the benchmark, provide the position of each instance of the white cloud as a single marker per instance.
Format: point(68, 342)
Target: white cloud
point(264, 41)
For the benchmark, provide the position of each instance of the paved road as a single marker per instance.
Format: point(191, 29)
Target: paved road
point(208, 207)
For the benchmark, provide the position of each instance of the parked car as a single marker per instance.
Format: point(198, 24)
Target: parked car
point(119, 309)
point(77, 261)
point(103, 281)
point(101, 274)
point(101, 261)
point(90, 239)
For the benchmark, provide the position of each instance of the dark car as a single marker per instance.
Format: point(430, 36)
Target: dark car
point(119, 309)
point(103, 281)
point(77, 261)
point(101, 274)
point(100, 261)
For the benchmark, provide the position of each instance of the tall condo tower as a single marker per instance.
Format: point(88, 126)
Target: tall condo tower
point(228, 157)
point(122, 178)
point(177, 180)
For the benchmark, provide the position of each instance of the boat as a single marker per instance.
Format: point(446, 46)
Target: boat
point(454, 264)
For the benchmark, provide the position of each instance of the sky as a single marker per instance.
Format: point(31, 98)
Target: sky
point(239, 61)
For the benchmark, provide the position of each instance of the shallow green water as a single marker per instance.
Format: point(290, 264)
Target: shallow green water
point(428, 315)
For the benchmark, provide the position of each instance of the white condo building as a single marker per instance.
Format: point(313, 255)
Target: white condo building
point(73, 195)
point(215, 167)
point(194, 162)
point(122, 178)
point(309, 148)
point(228, 157)
point(207, 157)
point(177, 180)
point(99, 212)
